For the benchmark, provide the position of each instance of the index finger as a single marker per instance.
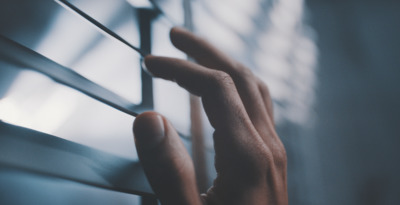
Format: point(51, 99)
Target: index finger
point(221, 100)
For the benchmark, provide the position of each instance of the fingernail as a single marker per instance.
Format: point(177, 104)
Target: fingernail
point(149, 129)
point(145, 67)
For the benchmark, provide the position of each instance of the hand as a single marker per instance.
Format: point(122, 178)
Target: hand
point(250, 159)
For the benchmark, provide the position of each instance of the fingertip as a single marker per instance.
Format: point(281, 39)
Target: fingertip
point(147, 59)
point(149, 129)
point(149, 63)
point(144, 66)
point(179, 36)
point(173, 30)
point(176, 30)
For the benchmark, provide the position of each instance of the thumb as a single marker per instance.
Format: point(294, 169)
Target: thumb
point(165, 160)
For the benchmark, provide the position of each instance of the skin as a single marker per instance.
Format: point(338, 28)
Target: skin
point(250, 159)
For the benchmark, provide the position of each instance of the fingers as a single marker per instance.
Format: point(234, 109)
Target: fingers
point(165, 160)
point(208, 56)
point(235, 138)
point(220, 98)
point(204, 53)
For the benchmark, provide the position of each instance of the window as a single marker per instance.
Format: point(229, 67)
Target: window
point(64, 77)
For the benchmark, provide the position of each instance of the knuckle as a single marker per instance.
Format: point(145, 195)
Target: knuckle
point(222, 79)
point(268, 157)
point(247, 73)
point(263, 86)
point(265, 92)
point(280, 158)
point(274, 154)
point(262, 155)
point(244, 73)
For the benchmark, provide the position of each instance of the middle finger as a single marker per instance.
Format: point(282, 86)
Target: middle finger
point(245, 82)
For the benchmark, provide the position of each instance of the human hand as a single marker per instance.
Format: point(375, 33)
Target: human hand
point(250, 159)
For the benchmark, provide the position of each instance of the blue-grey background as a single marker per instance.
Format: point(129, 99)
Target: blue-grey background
point(333, 68)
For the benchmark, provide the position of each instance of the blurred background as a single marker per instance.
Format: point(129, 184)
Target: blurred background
point(333, 69)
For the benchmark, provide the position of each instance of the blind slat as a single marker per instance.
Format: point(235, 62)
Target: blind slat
point(37, 152)
point(24, 57)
